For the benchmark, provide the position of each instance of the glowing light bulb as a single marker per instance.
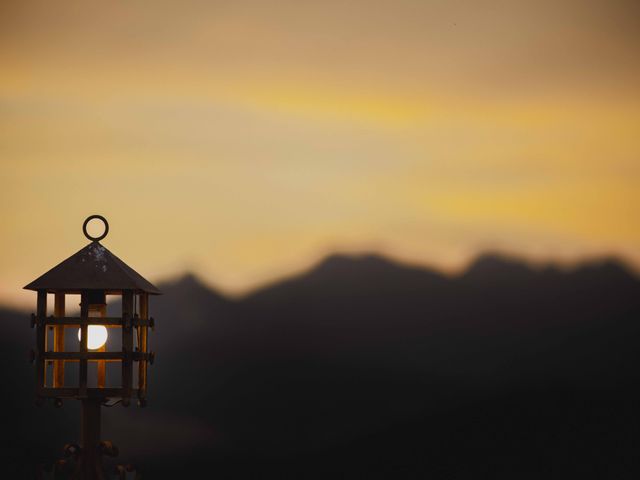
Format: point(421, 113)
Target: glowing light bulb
point(97, 336)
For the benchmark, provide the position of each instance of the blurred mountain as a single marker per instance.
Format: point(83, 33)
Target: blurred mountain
point(363, 367)
point(189, 303)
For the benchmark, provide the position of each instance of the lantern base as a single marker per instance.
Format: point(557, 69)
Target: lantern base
point(85, 461)
point(90, 439)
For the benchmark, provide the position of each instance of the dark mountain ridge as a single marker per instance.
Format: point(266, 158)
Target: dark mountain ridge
point(373, 271)
point(362, 367)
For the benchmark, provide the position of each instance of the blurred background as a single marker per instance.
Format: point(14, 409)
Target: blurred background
point(396, 238)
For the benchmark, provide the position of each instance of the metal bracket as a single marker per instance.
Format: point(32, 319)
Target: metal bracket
point(69, 467)
point(127, 323)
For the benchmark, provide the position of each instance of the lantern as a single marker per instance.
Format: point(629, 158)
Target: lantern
point(93, 273)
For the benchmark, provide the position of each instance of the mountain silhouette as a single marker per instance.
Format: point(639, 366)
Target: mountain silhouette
point(362, 367)
point(493, 267)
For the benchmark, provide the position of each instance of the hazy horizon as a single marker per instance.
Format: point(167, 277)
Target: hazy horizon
point(27, 298)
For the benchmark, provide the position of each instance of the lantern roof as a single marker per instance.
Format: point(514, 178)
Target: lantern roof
point(93, 268)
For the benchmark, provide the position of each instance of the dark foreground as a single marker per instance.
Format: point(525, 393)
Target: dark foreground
point(362, 368)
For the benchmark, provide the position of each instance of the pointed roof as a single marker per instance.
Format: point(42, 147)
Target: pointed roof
point(93, 268)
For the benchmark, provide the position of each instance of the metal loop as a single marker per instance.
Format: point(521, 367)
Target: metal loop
point(98, 217)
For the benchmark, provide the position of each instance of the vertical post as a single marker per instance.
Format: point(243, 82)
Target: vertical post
point(143, 345)
point(58, 341)
point(41, 340)
point(84, 337)
point(90, 439)
point(102, 364)
point(127, 345)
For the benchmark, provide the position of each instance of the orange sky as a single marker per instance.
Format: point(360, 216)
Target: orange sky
point(244, 140)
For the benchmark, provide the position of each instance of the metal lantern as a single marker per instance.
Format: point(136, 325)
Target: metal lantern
point(93, 273)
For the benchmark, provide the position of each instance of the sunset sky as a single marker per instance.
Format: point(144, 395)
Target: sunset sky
point(245, 140)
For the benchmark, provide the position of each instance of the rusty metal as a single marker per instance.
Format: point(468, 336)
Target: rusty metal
point(73, 465)
point(97, 217)
point(95, 268)
point(106, 321)
point(92, 272)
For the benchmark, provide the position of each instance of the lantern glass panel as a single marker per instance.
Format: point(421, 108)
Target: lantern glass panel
point(114, 375)
point(71, 374)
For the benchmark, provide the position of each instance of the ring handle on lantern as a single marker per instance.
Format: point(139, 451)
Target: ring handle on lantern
point(95, 217)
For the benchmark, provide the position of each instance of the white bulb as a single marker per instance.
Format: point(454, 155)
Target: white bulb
point(97, 336)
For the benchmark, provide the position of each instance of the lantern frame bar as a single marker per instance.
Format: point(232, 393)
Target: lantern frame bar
point(119, 356)
point(127, 343)
point(41, 342)
point(91, 392)
point(136, 321)
point(58, 338)
point(84, 339)
point(134, 347)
